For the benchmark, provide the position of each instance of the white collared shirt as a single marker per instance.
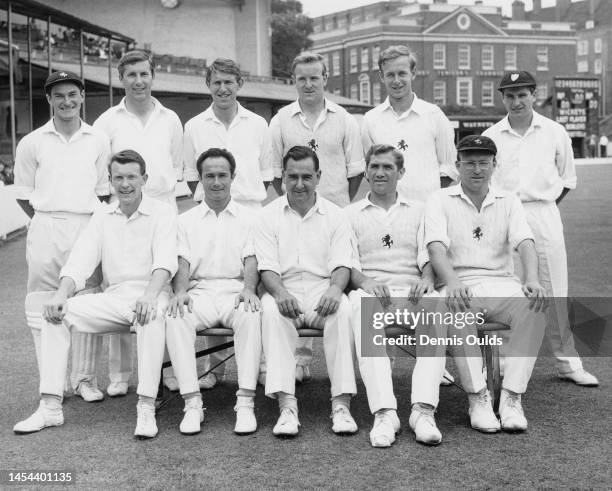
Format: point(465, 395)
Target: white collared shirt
point(479, 243)
point(159, 142)
point(60, 175)
point(425, 137)
point(535, 166)
point(245, 139)
point(389, 241)
point(216, 246)
point(335, 138)
point(130, 249)
point(307, 248)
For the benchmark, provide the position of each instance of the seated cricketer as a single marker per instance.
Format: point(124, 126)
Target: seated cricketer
point(304, 254)
point(470, 232)
point(216, 286)
point(387, 229)
point(134, 239)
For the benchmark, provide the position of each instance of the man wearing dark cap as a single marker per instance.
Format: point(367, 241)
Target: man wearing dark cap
point(470, 229)
point(61, 176)
point(536, 163)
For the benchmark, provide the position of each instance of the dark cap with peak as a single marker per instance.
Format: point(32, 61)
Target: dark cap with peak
point(477, 142)
point(517, 79)
point(63, 76)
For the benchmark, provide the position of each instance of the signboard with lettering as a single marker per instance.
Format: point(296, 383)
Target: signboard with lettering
point(576, 105)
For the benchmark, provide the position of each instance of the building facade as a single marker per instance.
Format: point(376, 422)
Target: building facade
point(201, 29)
point(462, 52)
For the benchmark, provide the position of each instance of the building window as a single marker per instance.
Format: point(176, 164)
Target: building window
point(439, 56)
point(375, 55)
point(376, 93)
point(542, 58)
point(342, 21)
point(364, 89)
point(335, 65)
point(329, 24)
point(439, 92)
point(337, 91)
point(488, 93)
point(365, 59)
point(510, 58)
point(354, 91)
point(488, 60)
point(356, 19)
point(597, 67)
point(353, 59)
point(542, 93)
point(464, 91)
point(583, 66)
point(464, 57)
point(583, 47)
point(597, 45)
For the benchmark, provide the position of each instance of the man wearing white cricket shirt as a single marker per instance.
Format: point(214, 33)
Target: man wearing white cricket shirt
point(135, 241)
point(304, 254)
point(536, 162)
point(388, 230)
point(216, 283)
point(227, 124)
point(470, 231)
point(332, 133)
point(60, 168)
point(140, 122)
point(418, 129)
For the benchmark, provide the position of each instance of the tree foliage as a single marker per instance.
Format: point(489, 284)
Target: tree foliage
point(290, 31)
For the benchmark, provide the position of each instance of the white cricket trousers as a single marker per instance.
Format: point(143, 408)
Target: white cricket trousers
point(375, 371)
point(111, 311)
point(431, 359)
point(51, 236)
point(214, 308)
point(545, 222)
point(280, 337)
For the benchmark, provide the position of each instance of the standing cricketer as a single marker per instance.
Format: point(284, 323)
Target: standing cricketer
point(387, 230)
point(61, 176)
point(140, 122)
point(135, 241)
point(216, 284)
point(418, 129)
point(326, 128)
point(304, 255)
point(227, 124)
point(470, 231)
point(536, 162)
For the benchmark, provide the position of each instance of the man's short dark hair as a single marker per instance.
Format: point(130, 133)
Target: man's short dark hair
point(381, 149)
point(129, 157)
point(216, 152)
point(300, 152)
point(224, 65)
point(393, 52)
point(133, 57)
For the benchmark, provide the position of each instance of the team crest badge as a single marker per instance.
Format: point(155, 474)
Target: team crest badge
point(313, 145)
point(402, 145)
point(477, 233)
point(477, 141)
point(387, 241)
point(63, 74)
point(514, 76)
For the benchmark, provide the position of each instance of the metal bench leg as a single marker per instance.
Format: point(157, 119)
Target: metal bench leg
point(496, 377)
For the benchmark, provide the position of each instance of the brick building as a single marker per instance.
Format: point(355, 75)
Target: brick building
point(462, 51)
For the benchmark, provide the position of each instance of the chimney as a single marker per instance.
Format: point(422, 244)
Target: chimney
point(518, 10)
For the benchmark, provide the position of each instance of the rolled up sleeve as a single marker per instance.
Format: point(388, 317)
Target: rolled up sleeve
point(564, 160)
point(102, 184)
point(518, 229)
point(435, 223)
point(342, 244)
point(190, 172)
point(164, 246)
point(25, 168)
point(274, 151)
point(445, 146)
point(353, 151)
point(86, 253)
point(176, 150)
point(266, 245)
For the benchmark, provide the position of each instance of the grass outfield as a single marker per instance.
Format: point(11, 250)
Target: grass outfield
point(568, 444)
